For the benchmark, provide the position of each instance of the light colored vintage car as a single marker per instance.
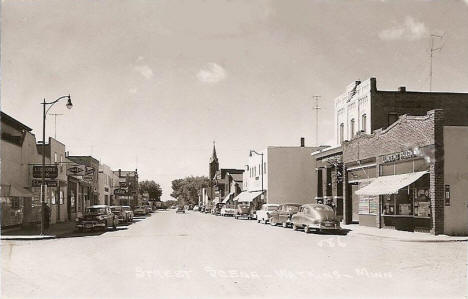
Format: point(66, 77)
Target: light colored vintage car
point(129, 212)
point(140, 211)
point(97, 217)
point(284, 214)
point(318, 217)
point(228, 210)
point(120, 213)
point(263, 215)
point(244, 210)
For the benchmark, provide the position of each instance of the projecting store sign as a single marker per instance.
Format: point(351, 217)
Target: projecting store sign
point(76, 170)
point(49, 183)
point(50, 171)
point(120, 192)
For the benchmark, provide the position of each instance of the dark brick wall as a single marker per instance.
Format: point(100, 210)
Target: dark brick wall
point(455, 106)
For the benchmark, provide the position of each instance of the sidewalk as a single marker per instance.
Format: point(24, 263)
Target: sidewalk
point(33, 233)
point(356, 229)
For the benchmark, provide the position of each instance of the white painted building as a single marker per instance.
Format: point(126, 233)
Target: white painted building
point(353, 111)
point(287, 174)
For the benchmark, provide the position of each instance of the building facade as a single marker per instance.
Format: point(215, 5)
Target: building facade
point(408, 176)
point(364, 108)
point(282, 174)
point(108, 180)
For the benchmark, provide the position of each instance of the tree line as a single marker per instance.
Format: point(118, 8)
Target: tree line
point(186, 190)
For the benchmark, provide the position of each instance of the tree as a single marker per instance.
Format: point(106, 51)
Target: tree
point(186, 190)
point(153, 189)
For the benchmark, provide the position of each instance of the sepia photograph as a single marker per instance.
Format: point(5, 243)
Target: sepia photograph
point(234, 149)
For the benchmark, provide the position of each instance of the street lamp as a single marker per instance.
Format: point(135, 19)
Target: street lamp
point(252, 151)
point(44, 104)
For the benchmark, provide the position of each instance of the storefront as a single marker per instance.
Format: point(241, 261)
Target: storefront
point(409, 176)
point(402, 191)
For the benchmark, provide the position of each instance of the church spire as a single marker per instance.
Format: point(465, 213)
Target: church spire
point(213, 156)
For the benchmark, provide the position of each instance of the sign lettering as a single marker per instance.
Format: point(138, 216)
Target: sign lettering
point(50, 171)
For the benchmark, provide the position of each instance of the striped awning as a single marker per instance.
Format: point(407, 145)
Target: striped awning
point(247, 196)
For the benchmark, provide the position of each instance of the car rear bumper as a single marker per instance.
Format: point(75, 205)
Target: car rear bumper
point(90, 225)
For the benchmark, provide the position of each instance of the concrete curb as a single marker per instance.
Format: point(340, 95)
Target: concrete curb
point(423, 240)
point(29, 238)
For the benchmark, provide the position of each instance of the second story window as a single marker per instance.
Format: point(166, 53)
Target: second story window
point(341, 133)
point(55, 158)
point(351, 127)
point(364, 123)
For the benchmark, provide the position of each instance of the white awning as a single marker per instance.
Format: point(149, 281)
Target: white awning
point(247, 196)
point(390, 184)
point(225, 200)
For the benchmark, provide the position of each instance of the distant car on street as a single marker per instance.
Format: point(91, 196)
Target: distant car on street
point(227, 210)
point(97, 217)
point(140, 211)
point(318, 217)
point(244, 210)
point(180, 210)
point(263, 215)
point(148, 209)
point(128, 211)
point(216, 209)
point(120, 213)
point(283, 214)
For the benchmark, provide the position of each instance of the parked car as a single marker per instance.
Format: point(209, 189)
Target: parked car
point(120, 213)
point(263, 215)
point(140, 211)
point(318, 217)
point(129, 212)
point(283, 214)
point(97, 217)
point(216, 209)
point(227, 210)
point(207, 209)
point(148, 209)
point(180, 209)
point(244, 210)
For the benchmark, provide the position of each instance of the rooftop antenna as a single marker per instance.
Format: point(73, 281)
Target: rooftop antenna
point(316, 108)
point(433, 50)
point(55, 121)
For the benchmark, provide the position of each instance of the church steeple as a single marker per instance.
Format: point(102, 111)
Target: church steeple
point(214, 164)
point(213, 156)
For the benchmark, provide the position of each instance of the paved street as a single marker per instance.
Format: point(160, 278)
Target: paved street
point(204, 256)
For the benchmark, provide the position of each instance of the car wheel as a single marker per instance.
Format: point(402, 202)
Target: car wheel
point(285, 225)
point(258, 220)
point(114, 225)
point(306, 229)
point(294, 226)
point(272, 222)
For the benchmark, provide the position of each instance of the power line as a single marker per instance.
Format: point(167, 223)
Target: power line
point(316, 108)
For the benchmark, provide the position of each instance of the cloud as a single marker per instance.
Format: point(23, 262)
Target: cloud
point(132, 90)
point(466, 2)
point(410, 30)
point(211, 73)
point(144, 70)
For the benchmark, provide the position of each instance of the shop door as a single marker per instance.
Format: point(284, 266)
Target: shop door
point(354, 204)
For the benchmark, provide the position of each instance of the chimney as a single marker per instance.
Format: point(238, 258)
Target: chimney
point(302, 141)
point(402, 89)
point(67, 154)
point(373, 84)
point(120, 172)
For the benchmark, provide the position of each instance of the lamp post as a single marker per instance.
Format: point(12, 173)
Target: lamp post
point(261, 169)
point(44, 114)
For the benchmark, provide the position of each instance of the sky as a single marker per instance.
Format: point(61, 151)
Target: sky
point(154, 83)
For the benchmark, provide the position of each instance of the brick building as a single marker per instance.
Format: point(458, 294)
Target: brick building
point(409, 175)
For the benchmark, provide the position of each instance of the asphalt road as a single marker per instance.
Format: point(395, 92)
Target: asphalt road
point(195, 255)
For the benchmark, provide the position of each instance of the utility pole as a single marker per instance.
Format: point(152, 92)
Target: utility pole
point(55, 123)
point(316, 108)
point(431, 54)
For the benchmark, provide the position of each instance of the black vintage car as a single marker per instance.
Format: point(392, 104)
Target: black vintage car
point(97, 217)
point(244, 210)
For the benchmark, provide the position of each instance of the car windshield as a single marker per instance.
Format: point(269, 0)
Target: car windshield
point(95, 211)
point(115, 209)
point(292, 209)
point(272, 208)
